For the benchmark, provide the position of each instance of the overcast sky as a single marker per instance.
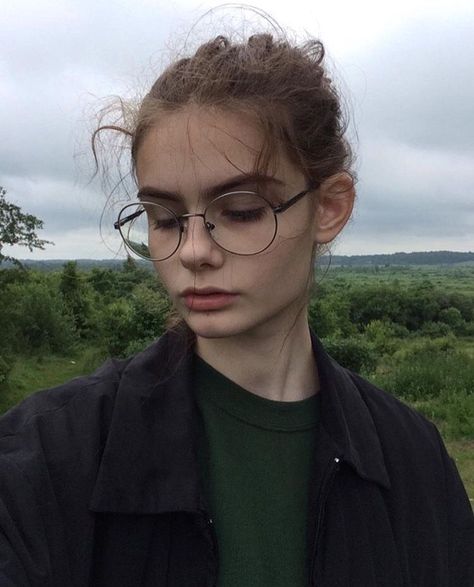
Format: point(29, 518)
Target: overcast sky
point(406, 69)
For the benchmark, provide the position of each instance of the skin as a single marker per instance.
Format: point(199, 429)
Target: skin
point(265, 328)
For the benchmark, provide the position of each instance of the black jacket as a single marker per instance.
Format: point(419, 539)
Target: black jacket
point(99, 485)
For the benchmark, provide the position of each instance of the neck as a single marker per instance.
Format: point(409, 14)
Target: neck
point(278, 366)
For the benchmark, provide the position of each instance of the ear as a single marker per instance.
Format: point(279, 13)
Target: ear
point(334, 203)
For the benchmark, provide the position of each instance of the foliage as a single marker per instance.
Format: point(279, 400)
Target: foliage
point(404, 333)
point(116, 327)
point(452, 317)
point(129, 325)
point(6, 366)
point(17, 228)
point(40, 319)
point(104, 284)
point(329, 315)
point(381, 334)
point(132, 275)
point(78, 299)
point(437, 379)
point(353, 353)
point(429, 369)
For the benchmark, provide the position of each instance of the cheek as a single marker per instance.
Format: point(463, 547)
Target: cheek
point(285, 267)
point(165, 273)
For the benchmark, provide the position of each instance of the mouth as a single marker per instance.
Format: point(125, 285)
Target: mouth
point(208, 298)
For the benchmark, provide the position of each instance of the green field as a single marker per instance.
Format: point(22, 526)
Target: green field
point(457, 278)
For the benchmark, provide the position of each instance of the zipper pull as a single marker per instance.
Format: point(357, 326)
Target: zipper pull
point(324, 494)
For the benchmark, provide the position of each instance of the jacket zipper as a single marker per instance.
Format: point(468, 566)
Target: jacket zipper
point(212, 531)
point(323, 495)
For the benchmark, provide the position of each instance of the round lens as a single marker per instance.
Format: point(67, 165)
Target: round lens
point(243, 222)
point(150, 230)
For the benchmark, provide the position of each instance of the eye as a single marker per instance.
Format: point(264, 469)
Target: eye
point(251, 215)
point(164, 224)
point(159, 217)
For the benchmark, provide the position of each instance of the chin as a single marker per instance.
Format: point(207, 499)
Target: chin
point(210, 325)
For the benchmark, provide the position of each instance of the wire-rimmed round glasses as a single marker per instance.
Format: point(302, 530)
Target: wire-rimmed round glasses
point(240, 222)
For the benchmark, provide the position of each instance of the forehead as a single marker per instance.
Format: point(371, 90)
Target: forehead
point(195, 147)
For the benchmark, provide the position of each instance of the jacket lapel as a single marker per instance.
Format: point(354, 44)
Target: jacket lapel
point(149, 464)
point(346, 422)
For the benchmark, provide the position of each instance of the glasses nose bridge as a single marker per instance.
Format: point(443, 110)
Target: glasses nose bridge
point(207, 225)
point(200, 214)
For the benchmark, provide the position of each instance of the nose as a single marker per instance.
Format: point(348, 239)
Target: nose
point(197, 247)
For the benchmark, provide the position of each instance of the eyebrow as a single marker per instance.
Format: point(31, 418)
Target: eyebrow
point(213, 191)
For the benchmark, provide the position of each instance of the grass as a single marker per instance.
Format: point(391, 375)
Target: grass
point(448, 278)
point(462, 451)
point(31, 374)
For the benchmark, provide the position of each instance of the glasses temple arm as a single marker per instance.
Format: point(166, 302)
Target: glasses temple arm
point(123, 221)
point(294, 199)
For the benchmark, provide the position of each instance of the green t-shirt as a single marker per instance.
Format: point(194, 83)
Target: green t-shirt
point(256, 455)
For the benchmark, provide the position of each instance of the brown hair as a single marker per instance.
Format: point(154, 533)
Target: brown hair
point(284, 86)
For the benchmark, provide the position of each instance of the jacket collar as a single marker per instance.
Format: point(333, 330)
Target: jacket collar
point(346, 420)
point(150, 465)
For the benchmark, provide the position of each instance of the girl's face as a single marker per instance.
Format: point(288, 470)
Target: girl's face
point(186, 156)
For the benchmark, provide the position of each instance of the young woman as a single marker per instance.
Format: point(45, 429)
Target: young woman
point(233, 451)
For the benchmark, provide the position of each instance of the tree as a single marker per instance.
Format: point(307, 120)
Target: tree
point(74, 290)
point(17, 228)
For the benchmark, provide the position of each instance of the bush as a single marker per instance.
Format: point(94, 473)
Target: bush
point(435, 329)
point(428, 371)
point(137, 346)
point(116, 327)
point(328, 316)
point(77, 295)
point(91, 359)
point(453, 318)
point(129, 325)
point(354, 353)
point(381, 334)
point(468, 329)
point(39, 318)
point(150, 310)
point(452, 412)
point(6, 365)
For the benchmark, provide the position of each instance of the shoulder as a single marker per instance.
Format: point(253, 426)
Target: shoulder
point(56, 402)
point(412, 446)
point(388, 410)
point(398, 425)
point(58, 428)
point(72, 420)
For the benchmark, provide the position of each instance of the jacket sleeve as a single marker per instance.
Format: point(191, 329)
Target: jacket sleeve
point(24, 560)
point(461, 525)
point(12, 573)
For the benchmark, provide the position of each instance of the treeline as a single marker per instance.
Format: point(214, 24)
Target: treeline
point(426, 258)
point(406, 259)
point(409, 339)
point(123, 310)
point(52, 312)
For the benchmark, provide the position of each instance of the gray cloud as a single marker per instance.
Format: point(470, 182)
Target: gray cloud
point(412, 95)
point(417, 86)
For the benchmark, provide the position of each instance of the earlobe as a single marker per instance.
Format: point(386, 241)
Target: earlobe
point(334, 203)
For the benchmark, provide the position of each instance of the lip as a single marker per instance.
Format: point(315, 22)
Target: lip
point(204, 291)
point(208, 298)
